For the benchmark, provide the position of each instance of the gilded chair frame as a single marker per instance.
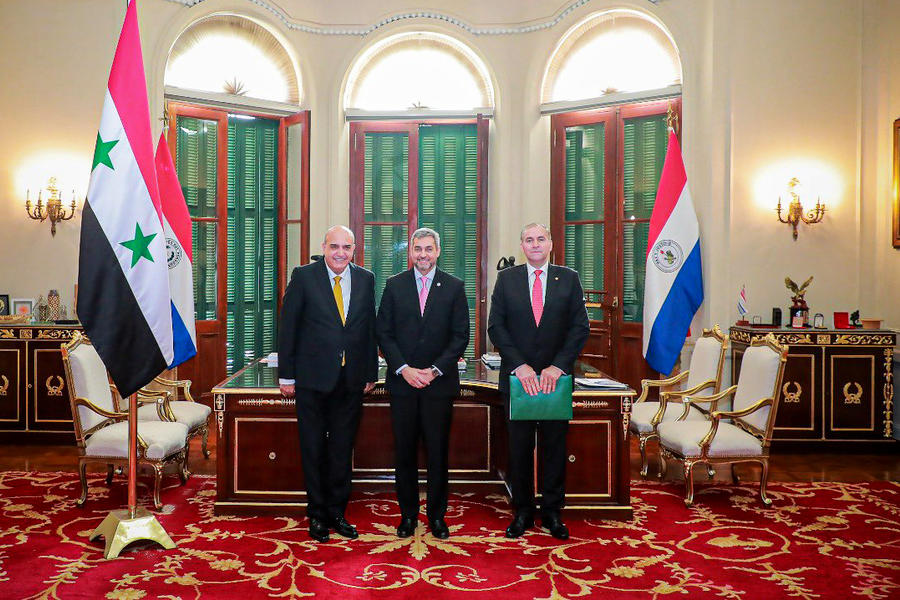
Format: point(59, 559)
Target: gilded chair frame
point(763, 435)
point(113, 462)
point(164, 409)
point(677, 395)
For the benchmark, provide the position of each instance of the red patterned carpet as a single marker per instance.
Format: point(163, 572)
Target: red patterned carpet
point(819, 540)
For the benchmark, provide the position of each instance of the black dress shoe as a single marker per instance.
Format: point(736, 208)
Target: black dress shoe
point(318, 530)
point(555, 526)
point(342, 527)
point(519, 524)
point(406, 527)
point(439, 529)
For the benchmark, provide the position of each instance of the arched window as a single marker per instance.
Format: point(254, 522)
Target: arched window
point(618, 51)
point(610, 86)
point(227, 54)
point(418, 70)
point(411, 166)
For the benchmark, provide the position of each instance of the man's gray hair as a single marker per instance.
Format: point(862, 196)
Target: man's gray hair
point(424, 232)
point(534, 224)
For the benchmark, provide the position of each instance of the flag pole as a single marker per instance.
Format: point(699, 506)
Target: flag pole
point(132, 456)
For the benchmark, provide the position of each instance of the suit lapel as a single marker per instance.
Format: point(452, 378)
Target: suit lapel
point(523, 284)
point(355, 291)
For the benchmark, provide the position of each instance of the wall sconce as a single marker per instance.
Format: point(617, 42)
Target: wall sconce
point(795, 212)
point(53, 211)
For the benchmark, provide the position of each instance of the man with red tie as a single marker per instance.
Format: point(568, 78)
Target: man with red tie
point(538, 323)
point(423, 329)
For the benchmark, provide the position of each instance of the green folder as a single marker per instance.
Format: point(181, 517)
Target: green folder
point(555, 406)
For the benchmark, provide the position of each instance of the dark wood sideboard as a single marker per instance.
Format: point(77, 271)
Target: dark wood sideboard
point(838, 383)
point(34, 401)
point(258, 453)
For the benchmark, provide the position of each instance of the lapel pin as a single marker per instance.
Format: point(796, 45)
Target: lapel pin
point(438, 284)
point(556, 279)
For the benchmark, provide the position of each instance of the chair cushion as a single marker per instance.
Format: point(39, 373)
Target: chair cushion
point(89, 380)
point(190, 414)
point(162, 439)
point(642, 412)
point(684, 438)
point(704, 361)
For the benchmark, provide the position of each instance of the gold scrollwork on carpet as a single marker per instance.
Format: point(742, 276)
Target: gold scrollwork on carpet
point(852, 397)
point(4, 385)
point(791, 396)
point(55, 390)
point(888, 392)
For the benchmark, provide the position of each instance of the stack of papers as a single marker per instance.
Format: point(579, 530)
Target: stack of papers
point(271, 359)
point(461, 364)
point(601, 382)
point(381, 361)
point(491, 359)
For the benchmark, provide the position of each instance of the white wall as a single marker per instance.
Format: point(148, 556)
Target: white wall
point(771, 88)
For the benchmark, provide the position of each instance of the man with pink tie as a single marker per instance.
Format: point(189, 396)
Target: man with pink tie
point(538, 323)
point(423, 329)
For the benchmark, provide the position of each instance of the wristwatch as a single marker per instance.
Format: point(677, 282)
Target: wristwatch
point(435, 371)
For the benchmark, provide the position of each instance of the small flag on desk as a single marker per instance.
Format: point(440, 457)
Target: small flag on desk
point(123, 282)
point(742, 302)
point(179, 255)
point(673, 284)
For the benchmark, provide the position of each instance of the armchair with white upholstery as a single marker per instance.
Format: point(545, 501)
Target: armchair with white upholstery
point(748, 435)
point(189, 413)
point(101, 430)
point(704, 375)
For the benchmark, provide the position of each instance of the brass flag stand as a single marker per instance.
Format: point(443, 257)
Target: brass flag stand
point(125, 525)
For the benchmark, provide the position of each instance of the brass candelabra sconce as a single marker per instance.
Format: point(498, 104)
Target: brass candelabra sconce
point(795, 212)
point(53, 210)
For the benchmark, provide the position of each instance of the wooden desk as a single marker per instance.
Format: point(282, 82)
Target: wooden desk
point(837, 386)
point(258, 453)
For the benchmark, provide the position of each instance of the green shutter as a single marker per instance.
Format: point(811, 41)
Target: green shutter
point(448, 202)
point(386, 199)
point(644, 154)
point(196, 165)
point(252, 240)
point(585, 194)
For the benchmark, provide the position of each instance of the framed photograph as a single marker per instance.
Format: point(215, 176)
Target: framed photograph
point(4, 304)
point(22, 306)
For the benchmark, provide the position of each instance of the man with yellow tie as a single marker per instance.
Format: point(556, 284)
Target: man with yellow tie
point(327, 359)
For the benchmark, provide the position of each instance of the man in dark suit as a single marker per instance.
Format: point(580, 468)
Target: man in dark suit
point(328, 358)
point(423, 329)
point(539, 324)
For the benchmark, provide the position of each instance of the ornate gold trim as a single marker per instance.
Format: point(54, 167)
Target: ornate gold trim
point(852, 397)
point(266, 402)
point(18, 390)
point(219, 402)
point(822, 339)
point(610, 467)
point(220, 421)
point(888, 392)
point(792, 397)
point(34, 379)
point(7, 334)
point(25, 334)
point(591, 404)
point(55, 390)
point(55, 334)
point(857, 339)
point(5, 385)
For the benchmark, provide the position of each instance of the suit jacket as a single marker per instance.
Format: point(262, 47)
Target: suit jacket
point(563, 329)
point(312, 338)
point(439, 337)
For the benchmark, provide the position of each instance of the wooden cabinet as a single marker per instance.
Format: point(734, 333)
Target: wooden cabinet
point(837, 385)
point(34, 401)
point(258, 453)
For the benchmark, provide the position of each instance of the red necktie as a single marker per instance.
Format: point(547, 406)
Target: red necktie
point(537, 297)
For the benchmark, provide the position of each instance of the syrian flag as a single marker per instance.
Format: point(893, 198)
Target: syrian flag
point(673, 285)
point(123, 282)
point(179, 255)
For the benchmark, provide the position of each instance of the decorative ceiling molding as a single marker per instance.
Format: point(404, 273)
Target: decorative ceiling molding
point(279, 14)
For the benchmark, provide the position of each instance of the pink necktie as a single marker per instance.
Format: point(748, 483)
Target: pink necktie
point(423, 295)
point(537, 297)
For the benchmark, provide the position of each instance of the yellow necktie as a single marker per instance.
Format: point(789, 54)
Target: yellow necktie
point(339, 297)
